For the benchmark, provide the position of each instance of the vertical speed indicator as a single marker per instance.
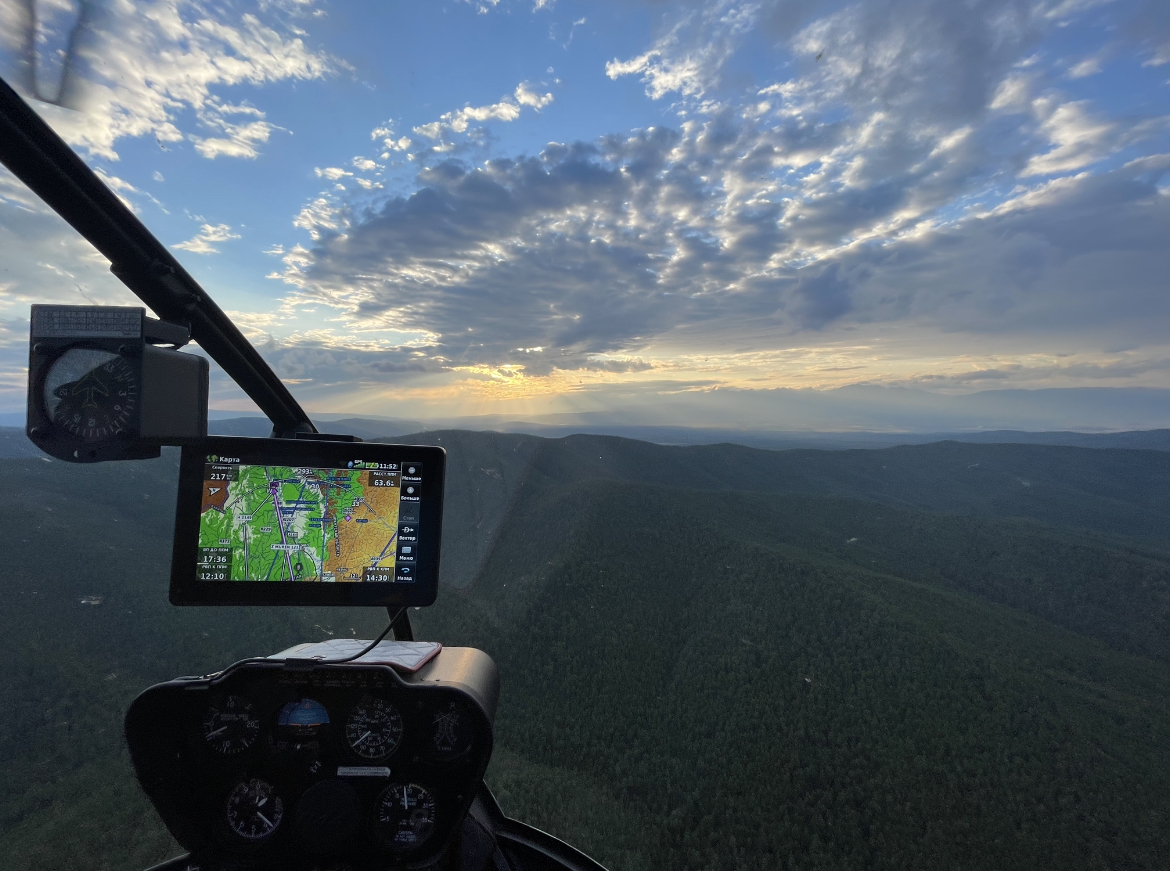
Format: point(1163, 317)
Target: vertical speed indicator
point(230, 726)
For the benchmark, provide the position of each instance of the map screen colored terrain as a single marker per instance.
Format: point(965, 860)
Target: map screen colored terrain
point(283, 523)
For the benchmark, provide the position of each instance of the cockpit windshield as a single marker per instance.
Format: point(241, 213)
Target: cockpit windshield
point(802, 369)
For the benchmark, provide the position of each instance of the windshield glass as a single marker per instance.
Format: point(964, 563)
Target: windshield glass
point(572, 243)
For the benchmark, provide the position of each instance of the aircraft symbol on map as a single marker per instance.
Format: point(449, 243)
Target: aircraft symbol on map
point(211, 491)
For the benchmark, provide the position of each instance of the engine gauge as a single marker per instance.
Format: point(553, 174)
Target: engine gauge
point(254, 810)
point(451, 731)
point(374, 729)
point(404, 816)
point(230, 725)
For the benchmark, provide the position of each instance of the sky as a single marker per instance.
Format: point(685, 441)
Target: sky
point(677, 212)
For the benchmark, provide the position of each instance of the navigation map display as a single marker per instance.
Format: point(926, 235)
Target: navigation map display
point(317, 516)
point(287, 523)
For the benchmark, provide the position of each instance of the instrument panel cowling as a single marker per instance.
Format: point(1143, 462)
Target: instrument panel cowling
point(254, 763)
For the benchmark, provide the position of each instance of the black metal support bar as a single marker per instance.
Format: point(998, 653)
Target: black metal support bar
point(50, 168)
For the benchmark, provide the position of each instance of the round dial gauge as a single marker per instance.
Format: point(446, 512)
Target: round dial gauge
point(254, 810)
point(230, 726)
point(451, 731)
point(374, 729)
point(404, 816)
point(92, 394)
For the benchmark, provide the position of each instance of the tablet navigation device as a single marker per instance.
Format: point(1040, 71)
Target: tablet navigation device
point(273, 520)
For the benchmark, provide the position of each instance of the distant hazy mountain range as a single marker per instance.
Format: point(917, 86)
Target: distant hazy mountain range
point(765, 417)
point(13, 442)
point(871, 408)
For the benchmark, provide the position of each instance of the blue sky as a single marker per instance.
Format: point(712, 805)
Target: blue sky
point(526, 208)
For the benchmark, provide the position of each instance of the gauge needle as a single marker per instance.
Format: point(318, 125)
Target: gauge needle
point(405, 800)
point(211, 735)
point(363, 738)
point(267, 821)
point(262, 802)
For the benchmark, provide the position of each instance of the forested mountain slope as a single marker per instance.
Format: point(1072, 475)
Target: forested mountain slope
point(709, 701)
point(1117, 491)
point(711, 657)
point(85, 626)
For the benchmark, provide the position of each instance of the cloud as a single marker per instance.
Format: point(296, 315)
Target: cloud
point(878, 183)
point(525, 96)
point(385, 132)
point(508, 109)
point(689, 58)
point(1090, 66)
point(144, 65)
point(905, 192)
point(239, 139)
point(119, 186)
point(1077, 138)
point(208, 234)
point(1150, 29)
point(319, 217)
point(572, 32)
point(53, 266)
point(483, 7)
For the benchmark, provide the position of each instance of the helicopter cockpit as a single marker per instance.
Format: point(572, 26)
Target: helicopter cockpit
point(340, 755)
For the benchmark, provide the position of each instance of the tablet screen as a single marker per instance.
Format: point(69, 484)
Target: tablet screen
point(278, 521)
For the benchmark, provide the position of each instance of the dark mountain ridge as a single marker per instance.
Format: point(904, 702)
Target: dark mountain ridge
point(13, 442)
point(1115, 491)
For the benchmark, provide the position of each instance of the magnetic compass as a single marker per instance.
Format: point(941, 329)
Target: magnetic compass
point(100, 389)
point(92, 394)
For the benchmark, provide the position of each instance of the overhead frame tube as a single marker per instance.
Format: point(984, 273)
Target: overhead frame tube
point(55, 173)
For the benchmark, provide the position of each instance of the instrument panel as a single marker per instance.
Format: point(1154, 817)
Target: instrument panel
point(287, 766)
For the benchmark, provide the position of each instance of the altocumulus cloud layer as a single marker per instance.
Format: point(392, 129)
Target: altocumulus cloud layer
point(953, 196)
point(139, 69)
point(910, 169)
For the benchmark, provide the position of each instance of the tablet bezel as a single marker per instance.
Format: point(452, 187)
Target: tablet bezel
point(186, 590)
